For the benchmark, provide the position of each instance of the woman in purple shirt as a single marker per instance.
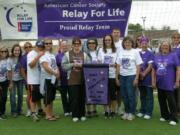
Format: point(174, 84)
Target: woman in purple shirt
point(166, 79)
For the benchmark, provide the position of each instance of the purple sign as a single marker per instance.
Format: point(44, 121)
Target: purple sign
point(83, 18)
point(96, 83)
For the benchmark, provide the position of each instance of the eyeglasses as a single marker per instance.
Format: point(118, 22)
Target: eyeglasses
point(26, 47)
point(176, 37)
point(48, 43)
point(3, 51)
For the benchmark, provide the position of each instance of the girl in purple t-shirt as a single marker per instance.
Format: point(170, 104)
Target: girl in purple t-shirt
point(166, 79)
point(145, 80)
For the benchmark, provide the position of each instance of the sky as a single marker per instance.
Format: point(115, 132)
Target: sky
point(156, 13)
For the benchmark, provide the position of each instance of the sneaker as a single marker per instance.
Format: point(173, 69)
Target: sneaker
point(139, 115)
point(2, 118)
point(162, 119)
point(124, 117)
point(83, 118)
point(75, 119)
point(106, 115)
point(130, 117)
point(147, 117)
point(35, 117)
point(66, 114)
point(28, 114)
point(173, 123)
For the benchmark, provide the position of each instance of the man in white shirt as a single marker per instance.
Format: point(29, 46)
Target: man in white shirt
point(116, 34)
point(33, 76)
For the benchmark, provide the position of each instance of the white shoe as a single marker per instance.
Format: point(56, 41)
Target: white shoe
point(120, 111)
point(139, 115)
point(162, 119)
point(66, 114)
point(130, 117)
point(124, 117)
point(28, 114)
point(147, 117)
point(75, 119)
point(83, 118)
point(173, 123)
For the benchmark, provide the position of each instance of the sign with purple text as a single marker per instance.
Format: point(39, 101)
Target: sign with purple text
point(83, 18)
point(96, 83)
point(33, 19)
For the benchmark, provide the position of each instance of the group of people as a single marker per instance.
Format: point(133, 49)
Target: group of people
point(133, 68)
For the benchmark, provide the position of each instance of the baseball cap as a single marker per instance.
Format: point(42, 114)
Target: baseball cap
point(39, 43)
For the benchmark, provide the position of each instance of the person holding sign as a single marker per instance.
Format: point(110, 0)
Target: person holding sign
point(128, 67)
point(72, 62)
point(92, 53)
point(108, 55)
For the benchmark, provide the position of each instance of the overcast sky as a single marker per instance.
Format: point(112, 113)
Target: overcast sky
point(157, 13)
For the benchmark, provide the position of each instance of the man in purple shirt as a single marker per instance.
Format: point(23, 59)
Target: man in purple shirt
point(63, 89)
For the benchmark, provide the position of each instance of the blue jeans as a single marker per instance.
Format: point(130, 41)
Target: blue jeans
point(128, 93)
point(147, 102)
point(17, 87)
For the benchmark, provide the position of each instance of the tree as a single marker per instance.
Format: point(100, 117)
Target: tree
point(135, 27)
point(165, 27)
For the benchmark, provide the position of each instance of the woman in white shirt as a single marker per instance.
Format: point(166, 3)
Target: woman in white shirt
point(128, 67)
point(108, 55)
point(4, 54)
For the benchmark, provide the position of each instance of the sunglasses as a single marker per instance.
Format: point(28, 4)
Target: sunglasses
point(48, 43)
point(3, 51)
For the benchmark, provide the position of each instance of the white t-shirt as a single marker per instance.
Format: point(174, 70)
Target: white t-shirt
point(3, 70)
point(51, 60)
point(128, 59)
point(108, 58)
point(119, 46)
point(33, 74)
point(14, 66)
point(93, 56)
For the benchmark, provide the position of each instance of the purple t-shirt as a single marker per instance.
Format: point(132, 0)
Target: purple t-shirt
point(63, 73)
point(23, 62)
point(165, 67)
point(177, 51)
point(147, 58)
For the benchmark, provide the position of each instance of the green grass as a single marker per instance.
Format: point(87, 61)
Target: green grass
point(93, 126)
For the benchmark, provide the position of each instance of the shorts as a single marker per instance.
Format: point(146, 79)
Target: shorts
point(50, 92)
point(34, 91)
point(112, 89)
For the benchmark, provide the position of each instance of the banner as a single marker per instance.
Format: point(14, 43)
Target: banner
point(63, 18)
point(96, 83)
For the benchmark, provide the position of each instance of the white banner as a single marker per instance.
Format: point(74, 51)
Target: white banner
point(19, 19)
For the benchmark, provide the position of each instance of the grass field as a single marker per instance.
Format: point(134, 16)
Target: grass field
point(93, 126)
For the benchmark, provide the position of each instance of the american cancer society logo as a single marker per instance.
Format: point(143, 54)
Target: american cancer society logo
point(19, 17)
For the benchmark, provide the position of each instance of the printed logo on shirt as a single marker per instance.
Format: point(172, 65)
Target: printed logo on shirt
point(3, 70)
point(126, 63)
point(53, 64)
point(161, 68)
point(108, 59)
